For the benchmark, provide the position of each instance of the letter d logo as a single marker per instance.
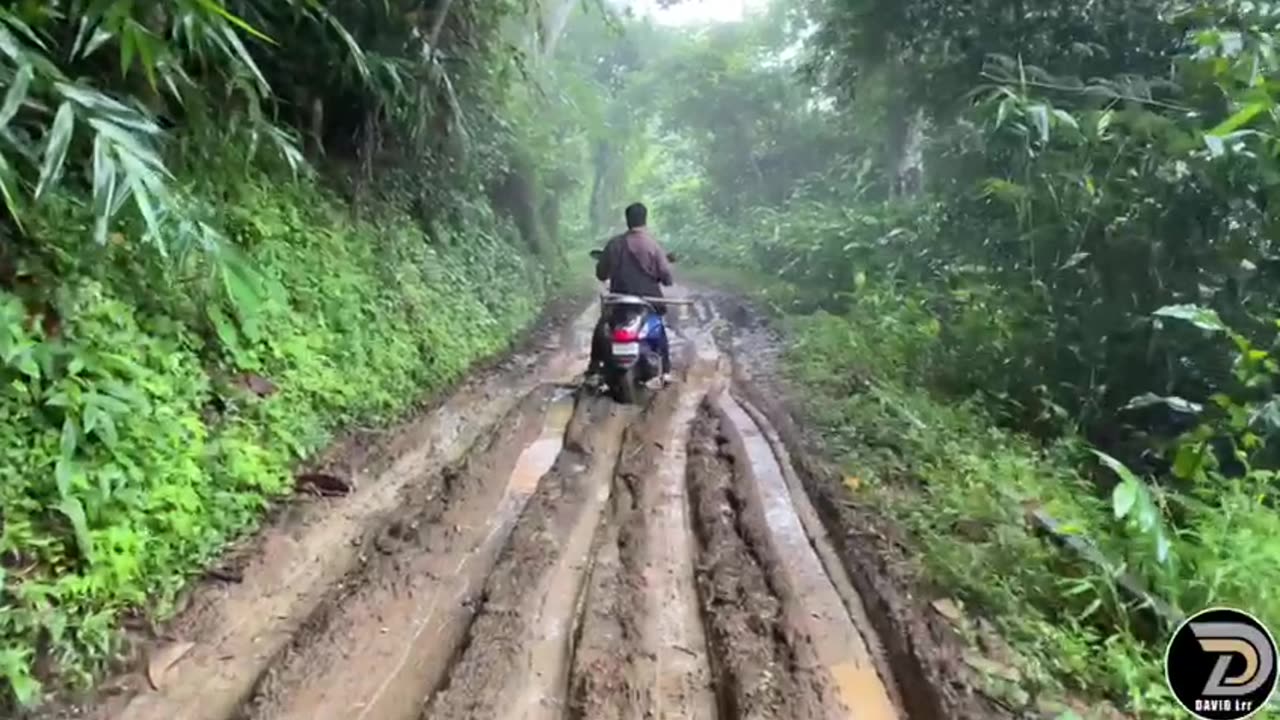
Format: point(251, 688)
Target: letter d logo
point(1221, 664)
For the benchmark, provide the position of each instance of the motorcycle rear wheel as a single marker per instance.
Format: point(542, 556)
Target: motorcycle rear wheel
point(623, 387)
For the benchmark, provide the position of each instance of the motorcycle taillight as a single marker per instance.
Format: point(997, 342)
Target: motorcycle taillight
point(627, 324)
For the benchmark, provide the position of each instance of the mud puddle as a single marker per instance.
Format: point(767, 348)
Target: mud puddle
point(537, 458)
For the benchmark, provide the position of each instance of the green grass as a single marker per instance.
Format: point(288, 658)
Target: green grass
point(128, 458)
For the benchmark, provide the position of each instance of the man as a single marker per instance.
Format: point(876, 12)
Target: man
point(634, 264)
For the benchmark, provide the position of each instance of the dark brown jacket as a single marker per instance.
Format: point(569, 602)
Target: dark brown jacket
point(634, 264)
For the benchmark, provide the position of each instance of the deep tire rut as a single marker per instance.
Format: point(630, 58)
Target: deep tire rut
point(764, 663)
point(418, 576)
point(499, 670)
point(583, 560)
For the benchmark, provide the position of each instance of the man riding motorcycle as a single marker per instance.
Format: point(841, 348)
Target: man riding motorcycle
point(634, 264)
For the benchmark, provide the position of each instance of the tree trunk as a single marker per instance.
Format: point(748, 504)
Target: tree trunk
point(908, 169)
point(595, 210)
point(555, 27)
point(437, 26)
point(317, 125)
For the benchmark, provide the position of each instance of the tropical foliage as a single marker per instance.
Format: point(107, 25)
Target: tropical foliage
point(230, 229)
point(1051, 217)
point(1023, 250)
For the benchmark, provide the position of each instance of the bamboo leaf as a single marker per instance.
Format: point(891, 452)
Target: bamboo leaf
point(1040, 116)
point(9, 188)
point(129, 143)
point(128, 43)
point(1066, 118)
point(1002, 112)
point(353, 47)
point(10, 46)
point(242, 52)
point(1240, 118)
point(74, 511)
point(104, 188)
point(1123, 498)
point(55, 149)
point(17, 94)
point(23, 28)
point(217, 9)
point(1125, 495)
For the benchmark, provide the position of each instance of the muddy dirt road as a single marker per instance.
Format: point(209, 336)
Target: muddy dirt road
point(528, 551)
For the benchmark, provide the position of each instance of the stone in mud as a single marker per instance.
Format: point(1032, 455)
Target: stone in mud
point(323, 484)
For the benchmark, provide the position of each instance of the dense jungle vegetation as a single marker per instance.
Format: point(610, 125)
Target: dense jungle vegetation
point(1024, 253)
point(1022, 250)
point(231, 229)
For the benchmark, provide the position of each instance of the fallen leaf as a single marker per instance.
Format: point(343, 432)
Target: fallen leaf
point(853, 482)
point(949, 609)
point(256, 384)
point(164, 659)
point(992, 668)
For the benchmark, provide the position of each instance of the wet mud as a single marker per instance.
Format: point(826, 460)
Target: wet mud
point(922, 650)
point(513, 658)
point(762, 657)
point(418, 573)
point(528, 550)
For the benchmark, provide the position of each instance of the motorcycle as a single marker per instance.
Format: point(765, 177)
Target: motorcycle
point(634, 358)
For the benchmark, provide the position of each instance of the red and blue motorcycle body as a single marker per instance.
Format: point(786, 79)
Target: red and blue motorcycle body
point(635, 357)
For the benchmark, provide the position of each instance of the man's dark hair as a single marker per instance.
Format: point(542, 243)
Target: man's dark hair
point(637, 215)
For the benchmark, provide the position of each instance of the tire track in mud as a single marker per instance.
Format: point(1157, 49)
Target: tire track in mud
point(684, 682)
point(855, 663)
point(612, 657)
point(515, 658)
point(581, 560)
point(641, 651)
point(763, 660)
point(421, 574)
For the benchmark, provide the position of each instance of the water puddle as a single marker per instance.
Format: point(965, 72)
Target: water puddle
point(540, 455)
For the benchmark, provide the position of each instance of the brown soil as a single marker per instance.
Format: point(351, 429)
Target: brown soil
point(924, 651)
point(763, 660)
point(433, 549)
point(522, 552)
point(498, 661)
point(612, 661)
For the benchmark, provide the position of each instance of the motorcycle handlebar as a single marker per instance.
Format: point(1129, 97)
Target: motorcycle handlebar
point(595, 255)
point(606, 297)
